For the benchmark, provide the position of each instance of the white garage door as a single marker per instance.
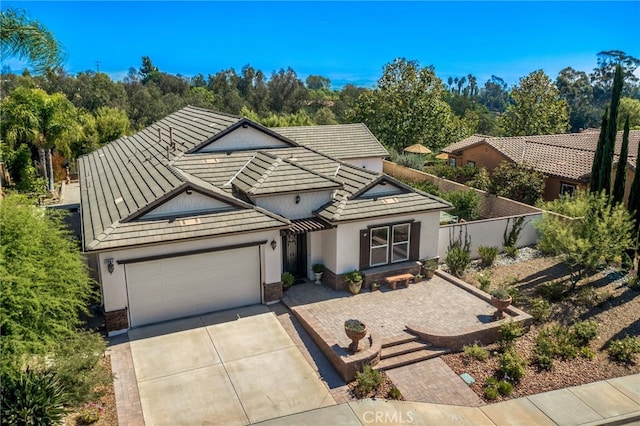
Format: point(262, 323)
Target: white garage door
point(177, 287)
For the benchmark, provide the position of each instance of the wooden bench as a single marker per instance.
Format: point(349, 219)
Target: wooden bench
point(394, 280)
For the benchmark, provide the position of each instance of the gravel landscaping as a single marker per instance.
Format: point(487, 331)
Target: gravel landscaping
point(603, 297)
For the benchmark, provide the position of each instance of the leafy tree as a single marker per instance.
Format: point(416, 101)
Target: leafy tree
point(594, 183)
point(494, 95)
point(518, 182)
point(45, 285)
point(111, 123)
point(574, 87)
point(466, 204)
point(603, 75)
point(324, 116)
point(599, 233)
point(90, 90)
point(44, 121)
point(407, 108)
point(224, 86)
point(24, 38)
point(147, 68)
point(286, 91)
point(20, 168)
point(629, 109)
point(315, 82)
point(621, 171)
point(612, 132)
point(537, 108)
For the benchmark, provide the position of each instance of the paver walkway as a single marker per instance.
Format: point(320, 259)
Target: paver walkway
point(433, 381)
point(434, 305)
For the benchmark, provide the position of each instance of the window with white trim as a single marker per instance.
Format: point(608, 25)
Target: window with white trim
point(389, 244)
point(400, 250)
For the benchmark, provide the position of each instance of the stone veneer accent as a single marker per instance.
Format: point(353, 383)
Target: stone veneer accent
point(371, 275)
point(272, 292)
point(116, 320)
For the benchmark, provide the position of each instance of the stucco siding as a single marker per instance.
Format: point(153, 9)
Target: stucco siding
point(482, 155)
point(552, 186)
point(186, 203)
point(285, 205)
point(114, 290)
point(315, 241)
point(242, 138)
point(370, 163)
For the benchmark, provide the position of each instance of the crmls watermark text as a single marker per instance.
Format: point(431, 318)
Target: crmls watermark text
point(386, 417)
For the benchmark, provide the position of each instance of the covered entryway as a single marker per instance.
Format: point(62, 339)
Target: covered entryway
point(182, 286)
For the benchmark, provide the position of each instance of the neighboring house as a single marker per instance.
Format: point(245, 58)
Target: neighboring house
point(565, 159)
point(203, 211)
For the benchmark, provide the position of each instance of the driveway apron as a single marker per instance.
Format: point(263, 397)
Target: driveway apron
point(234, 367)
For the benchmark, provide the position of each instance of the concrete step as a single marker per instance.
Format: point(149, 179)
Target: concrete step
point(399, 339)
point(404, 348)
point(410, 358)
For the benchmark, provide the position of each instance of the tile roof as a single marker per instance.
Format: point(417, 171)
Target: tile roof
point(564, 155)
point(129, 177)
point(267, 174)
point(341, 141)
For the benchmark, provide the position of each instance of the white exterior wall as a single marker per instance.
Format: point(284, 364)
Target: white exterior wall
point(347, 247)
point(186, 203)
point(329, 248)
point(285, 205)
point(488, 232)
point(315, 243)
point(241, 139)
point(370, 163)
point(114, 290)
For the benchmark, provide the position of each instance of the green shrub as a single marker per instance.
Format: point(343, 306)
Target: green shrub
point(485, 281)
point(566, 344)
point(488, 255)
point(394, 393)
point(539, 309)
point(458, 260)
point(545, 350)
point(512, 366)
point(586, 352)
point(508, 332)
point(465, 204)
point(490, 388)
point(588, 297)
point(368, 379)
point(77, 365)
point(505, 388)
point(552, 291)
point(511, 251)
point(287, 279)
point(544, 362)
point(585, 331)
point(476, 351)
point(90, 413)
point(481, 180)
point(624, 350)
point(516, 295)
point(32, 397)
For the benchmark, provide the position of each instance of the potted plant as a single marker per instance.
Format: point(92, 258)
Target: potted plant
point(429, 267)
point(501, 300)
point(354, 281)
point(287, 280)
point(318, 269)
point(375, 287)
point(355, 330)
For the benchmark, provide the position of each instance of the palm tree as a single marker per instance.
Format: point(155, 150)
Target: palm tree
point(27, 39)
point(42, 120)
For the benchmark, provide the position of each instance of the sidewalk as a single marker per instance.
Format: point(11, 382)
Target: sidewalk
point(614, 401)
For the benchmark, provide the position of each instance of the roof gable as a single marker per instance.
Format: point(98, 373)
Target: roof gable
point(187, 202)
point(241, 136)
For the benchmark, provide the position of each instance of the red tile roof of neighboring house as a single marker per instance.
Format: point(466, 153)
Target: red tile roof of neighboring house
point(564, 155)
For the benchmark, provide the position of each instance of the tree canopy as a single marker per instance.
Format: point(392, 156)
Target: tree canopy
point(537, 108)
point(407, 108)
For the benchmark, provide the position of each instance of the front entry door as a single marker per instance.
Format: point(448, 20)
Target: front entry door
point(295, 254)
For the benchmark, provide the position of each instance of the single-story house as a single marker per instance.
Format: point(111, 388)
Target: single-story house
point(204, 211)
point(565, 159)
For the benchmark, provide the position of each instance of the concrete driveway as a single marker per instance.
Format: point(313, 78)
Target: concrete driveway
point(234, 367)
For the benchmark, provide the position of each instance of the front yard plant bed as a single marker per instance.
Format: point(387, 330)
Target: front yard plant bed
point(384, 390)
point(604, 298)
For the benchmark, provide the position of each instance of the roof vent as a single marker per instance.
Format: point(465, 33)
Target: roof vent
point(390, 200)
point(119, 200)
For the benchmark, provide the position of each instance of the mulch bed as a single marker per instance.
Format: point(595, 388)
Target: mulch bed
point(603, 297)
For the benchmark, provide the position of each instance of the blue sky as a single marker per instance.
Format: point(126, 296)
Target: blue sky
point(345, 41)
